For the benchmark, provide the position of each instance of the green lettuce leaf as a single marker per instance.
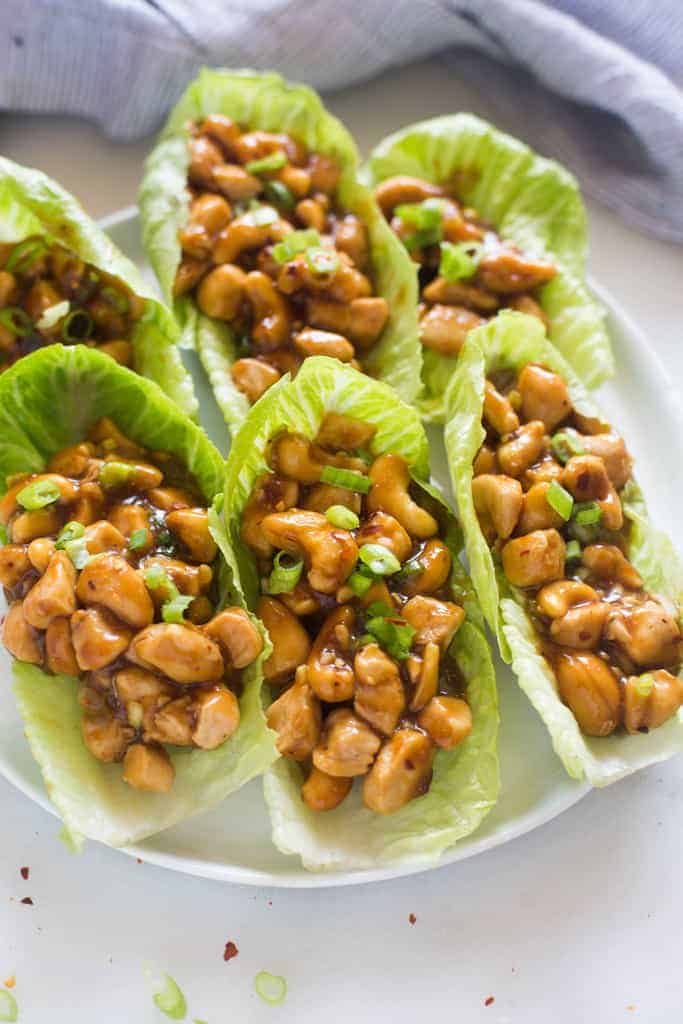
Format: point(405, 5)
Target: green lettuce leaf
point(465, 784)
point(509, 342)
point(31, 204)
point(47, 401)
point(267, 102)
point(532, 201)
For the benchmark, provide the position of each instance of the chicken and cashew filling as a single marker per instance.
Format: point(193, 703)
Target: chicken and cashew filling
point(467, 272)
point(49, 295)
point(269, 249)
point(356, 597)
point(547, 490)
point(107, 568)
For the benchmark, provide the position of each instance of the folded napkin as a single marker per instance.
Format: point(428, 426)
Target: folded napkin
point(590, 82)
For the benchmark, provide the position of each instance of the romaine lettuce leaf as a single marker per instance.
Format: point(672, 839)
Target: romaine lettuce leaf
point(47, 401)
point(532, 201)
point(509, 342)
point(31, 204)
point(465, 784)
point(268, 102)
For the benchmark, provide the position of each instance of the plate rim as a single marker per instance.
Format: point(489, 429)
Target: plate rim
point(299, 877)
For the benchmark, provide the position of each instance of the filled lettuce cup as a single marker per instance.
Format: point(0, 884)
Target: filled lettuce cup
point(489, 225)
point(63, 281)
point(384, 700)
point(137, 677)
point(583, 593)
point(267, 245)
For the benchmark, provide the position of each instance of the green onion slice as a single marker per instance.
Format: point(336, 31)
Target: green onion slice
point(174, 610)
point(38, 494)
point(52, 315)
point(347, 478)
point(359, 583)
point(393, 634)
point(322, 261)
point(565, 444)
point(170, 1000)
point(379, 560)
point(424, 215)
point(116, 298)
point(71, 531)
point(138, 539)
point(380, 609)
point(273, 162)
point(77, 551)
point(116, 474)
point(573, 552)
point(560, 500)
point(459, 261)
point(77, 326)
point(4, 536)
point(24, 255)
point(644, 684)
point(343, 517)
point(8, 1006)
point(278, 193)
point(16, 320)
point(284, 577)
point(155, 577)
point(261, 215)
point(294, 243)
point(272, 988)
point(587, 513)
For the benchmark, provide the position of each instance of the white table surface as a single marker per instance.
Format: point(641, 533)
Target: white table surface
point(580, 921)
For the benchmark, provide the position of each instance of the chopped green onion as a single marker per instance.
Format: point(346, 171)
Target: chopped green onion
point(379, 608)
point(587, 513)
point(422, 239)
point(16, 320)
point(116, 474)
point(24, 255)
point(77, 326)
point(559, 500)
point(278, 192)
point(53, 314)
point(115, 298)
point(38, 494)
point(77, 551)
point(379, 560)
point(283, 578)
point(573, 552)
point(71, 531)
point(294, 243)
point(565, 444)
point(424, 215)
point(393, 635)
point(359, 583)
point(174, 610)
point(644, 684)
point(273, 162)
point(4, 536)
point(138, 539)
point(270, 987)
point(413, 567)
point(343, 517)
point(170, 1000)
point(347, 478)
point(459, 261)
point(155, 577)
point(9, 1010)
point(260, 215)
point(322, 261)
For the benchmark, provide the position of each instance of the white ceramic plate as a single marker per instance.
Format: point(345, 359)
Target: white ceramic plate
point(232, 843)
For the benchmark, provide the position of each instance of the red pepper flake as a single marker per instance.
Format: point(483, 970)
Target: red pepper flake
point(27, 901)
point(412, 918)
point(489, 1001)
point(24, 872)
point(230, 951)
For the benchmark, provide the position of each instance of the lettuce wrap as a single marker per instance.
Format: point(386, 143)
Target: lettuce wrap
point(465, 782)
point(267, 102)
point(509, 342)
point(48, 401)
point(532, 201)
point(33, 205)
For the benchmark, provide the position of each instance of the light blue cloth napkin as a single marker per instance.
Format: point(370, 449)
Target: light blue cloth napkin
point(594, 83)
